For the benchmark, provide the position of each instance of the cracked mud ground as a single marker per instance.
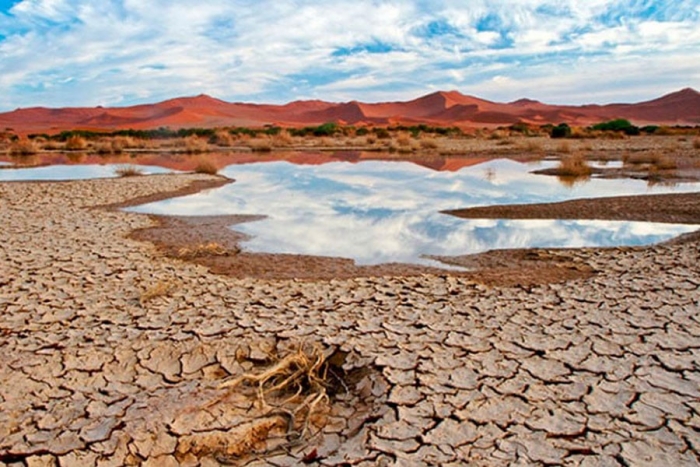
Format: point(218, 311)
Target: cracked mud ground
point(113, 354)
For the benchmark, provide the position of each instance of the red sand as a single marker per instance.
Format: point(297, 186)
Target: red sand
point(440, 108)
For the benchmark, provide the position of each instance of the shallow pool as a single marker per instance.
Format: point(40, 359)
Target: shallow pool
point(388, 211)
point(71, 172)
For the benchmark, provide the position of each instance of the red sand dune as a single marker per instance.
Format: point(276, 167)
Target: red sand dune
point(439, 108)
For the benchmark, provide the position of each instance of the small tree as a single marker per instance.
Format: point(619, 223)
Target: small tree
point(327, 129)
point(619, 124)
point(561, 131)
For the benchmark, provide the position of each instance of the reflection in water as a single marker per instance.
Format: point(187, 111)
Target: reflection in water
point(76, 157)
point(70, 172)
point(606, 164)
point(570, 181)
point(379, 212)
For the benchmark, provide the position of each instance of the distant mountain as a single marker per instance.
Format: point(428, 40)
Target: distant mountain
point(440, 108)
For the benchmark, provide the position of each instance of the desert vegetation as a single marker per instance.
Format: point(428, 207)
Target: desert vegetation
point(76, 143)
point(574, 165)
point(203, 249)
point(23, 147)
point(159, 289)
point(128, 171)
point(205, 167)
point(194, 144)
point(654, 160)
point(529, 139)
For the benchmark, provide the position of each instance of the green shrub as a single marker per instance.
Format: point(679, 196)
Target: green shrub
point(272, 130)
point(520, 127)
point(381, 133)
point(327, 129)
point(561, 131)
point(619, 125)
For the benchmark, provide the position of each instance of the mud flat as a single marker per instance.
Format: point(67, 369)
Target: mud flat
point(681, 208)
point(114, 354)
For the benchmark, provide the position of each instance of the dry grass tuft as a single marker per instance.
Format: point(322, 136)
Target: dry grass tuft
point(205, 167)
point(579, 133)
point(325, 142)
point(160, 289)
point(203, 249)
point(564, 148)
point(128, 171)
point(109, 146)
point(260, 145)
point(23, 147)
point(428, 143)
point(76, 143)
point(664, 162)
point(652, 159)
point(52, 145)
point(403, 141)
point(612, 135)
point(223, 138)
point(103, 147)
point(127, 142)
point(574, 165)
point(531, 146)
point(283, 139)
point(497, 135)
point(195, 145)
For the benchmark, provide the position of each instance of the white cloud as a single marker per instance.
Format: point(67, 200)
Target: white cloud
point(89, 52)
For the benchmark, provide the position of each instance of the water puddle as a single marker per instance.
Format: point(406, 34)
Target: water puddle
point(603, 164)
point(388, 211)
point(72, 172)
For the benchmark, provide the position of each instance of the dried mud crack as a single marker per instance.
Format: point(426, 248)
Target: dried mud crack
point(114, 354)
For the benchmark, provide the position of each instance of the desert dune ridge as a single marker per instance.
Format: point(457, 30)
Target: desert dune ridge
point(450, 108)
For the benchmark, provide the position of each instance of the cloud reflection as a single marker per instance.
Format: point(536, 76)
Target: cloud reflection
point(378, 212)
point(71, 172)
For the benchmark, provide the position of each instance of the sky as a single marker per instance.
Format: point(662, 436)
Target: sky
point(58, 53)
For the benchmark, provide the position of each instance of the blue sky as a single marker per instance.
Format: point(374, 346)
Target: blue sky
point(120, 52)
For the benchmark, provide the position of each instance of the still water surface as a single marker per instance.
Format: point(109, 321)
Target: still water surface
point(388, 211)
point(70, 172)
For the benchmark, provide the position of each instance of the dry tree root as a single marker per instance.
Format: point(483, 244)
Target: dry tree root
point(291, 401)
point(295, 385)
